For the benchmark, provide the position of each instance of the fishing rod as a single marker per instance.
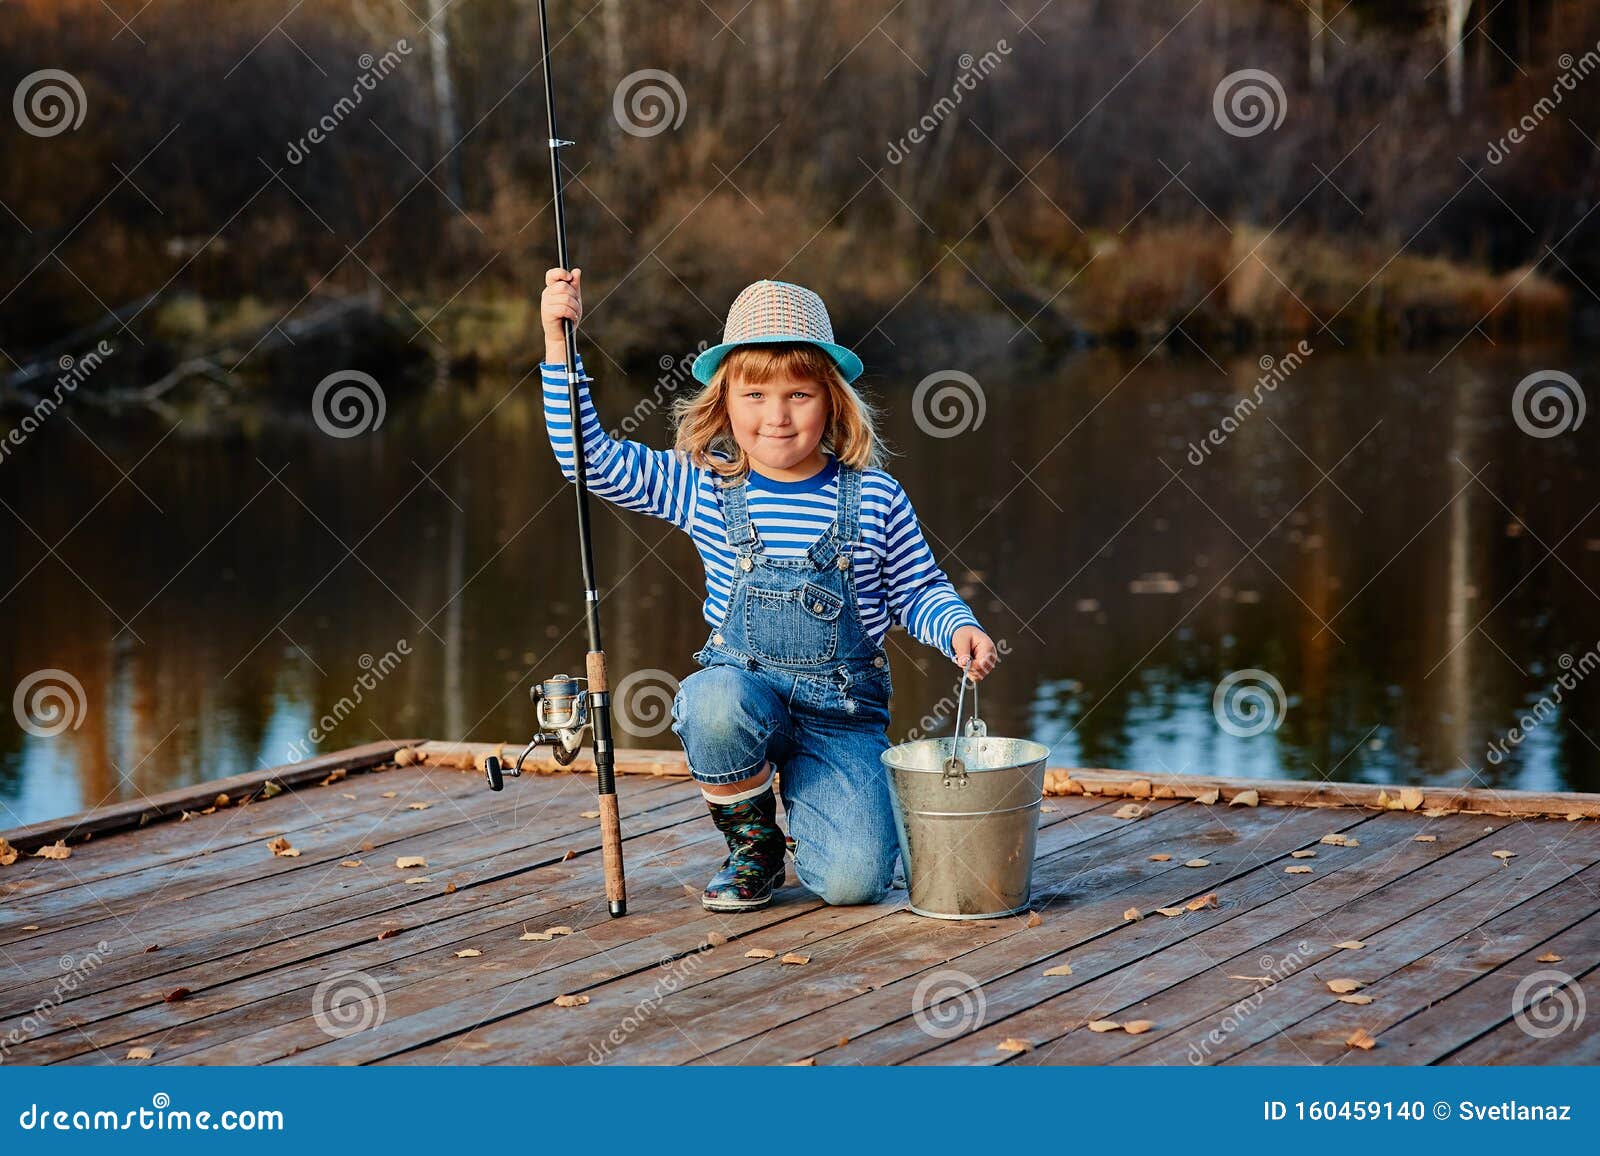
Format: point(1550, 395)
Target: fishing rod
point(561, 711)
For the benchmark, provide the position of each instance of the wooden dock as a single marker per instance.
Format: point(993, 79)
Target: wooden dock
point(1202, 920)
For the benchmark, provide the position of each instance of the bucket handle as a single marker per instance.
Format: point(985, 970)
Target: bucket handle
point(955, 771)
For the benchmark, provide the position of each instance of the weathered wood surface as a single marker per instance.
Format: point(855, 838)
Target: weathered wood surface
point(218, 951)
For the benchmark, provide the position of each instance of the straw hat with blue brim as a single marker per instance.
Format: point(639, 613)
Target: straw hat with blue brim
point(769, 312)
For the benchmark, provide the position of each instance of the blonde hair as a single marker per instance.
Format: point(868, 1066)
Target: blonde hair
point(702, 419)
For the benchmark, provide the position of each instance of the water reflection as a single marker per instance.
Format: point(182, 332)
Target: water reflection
point(1380, 538)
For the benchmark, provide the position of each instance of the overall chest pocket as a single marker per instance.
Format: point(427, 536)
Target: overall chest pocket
point(796, 626)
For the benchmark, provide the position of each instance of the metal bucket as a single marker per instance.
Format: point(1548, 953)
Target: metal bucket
point(967, 812)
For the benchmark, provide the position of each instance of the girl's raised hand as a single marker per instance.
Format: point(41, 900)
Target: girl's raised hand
point(562, 300)
point(975, 651)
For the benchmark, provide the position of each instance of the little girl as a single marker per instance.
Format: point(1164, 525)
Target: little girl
point(810, 552)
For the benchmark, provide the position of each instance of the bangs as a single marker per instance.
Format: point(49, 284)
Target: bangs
point(760, 364)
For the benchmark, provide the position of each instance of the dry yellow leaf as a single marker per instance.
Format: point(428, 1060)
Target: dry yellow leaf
point(1297, 870)
point(808, 1062)
point(141, 1054)
point(1303, 854)
point(760, 953)
point(571, 1000)
point(589, 814)
point(415, 879)
point(408, 861)
point(1011, 1044)
point(349, 862)
point(1339, 839)
point(1138, 1027)
point(1360, 1039)
point(1551, 957)
point(559, 929)
point(1502, 855)
point(1350, 945)
point(1410, 798)
point(1139, 789)
point(280, 846)
point(1360, 999)
point(1046, 808)
point(418, 806)
point(8, 854)
point(1131, 915)
point(543, 935)
point(1160, 857)
point(1103, 1025)
point(716, 938)
point(1208, 797)
point(468, 953)
point(1131, 811)
point(1343, 986)
point(1169, 912)
point(1249, 798)
point(1034, 919)
point(1198, 863)
point(1200, 902)
point(390, 794)
point(794, 957)
point(1426, 839)
point(1059, 969)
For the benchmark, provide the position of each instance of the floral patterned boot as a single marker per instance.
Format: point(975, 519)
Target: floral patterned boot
point(754, 866)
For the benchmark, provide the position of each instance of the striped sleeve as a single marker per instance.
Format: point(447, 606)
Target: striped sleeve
point(631, 475)
point(921, 598)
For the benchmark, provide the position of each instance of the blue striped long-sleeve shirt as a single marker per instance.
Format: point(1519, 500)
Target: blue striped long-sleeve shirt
point(897, 580)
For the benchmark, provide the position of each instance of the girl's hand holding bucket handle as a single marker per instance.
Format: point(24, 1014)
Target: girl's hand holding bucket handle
point(975, 651)
point(562, 300)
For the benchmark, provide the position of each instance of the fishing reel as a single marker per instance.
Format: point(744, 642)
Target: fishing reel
point(561, 709)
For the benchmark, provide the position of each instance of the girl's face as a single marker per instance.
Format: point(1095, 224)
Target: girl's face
point(780, 425)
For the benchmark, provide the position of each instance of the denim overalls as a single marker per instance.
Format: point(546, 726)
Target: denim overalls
point(792, 675)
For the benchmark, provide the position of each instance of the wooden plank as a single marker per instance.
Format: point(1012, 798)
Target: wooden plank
point(1320, 1038)
point(1559, 1035)
point(266, 905)
point(1108, 874)
point(600, 949)
point(171, 804)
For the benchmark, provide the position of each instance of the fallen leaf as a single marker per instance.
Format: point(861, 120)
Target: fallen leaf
point(349, 862)
point(449, 888)
point(716, 938)
point(1046, 808)
point(1350, 945)
point(1209, 899)
point(1410, 798)
point(408, 861)
point(760, 953)
point(1550, 957)
point(543, 935)
point(141, 1054)
point(280, 846)
point(1131, 915)
point(589, 814)
point(1160, 857)
point(30, 927)
point(1103, 1025)
point(420, 879)
point(468, 953)
point(1303, 854)
point(270, 788)
point(56, 850)
point(390, 933)
point(1169, 912)
point(1245, 799)
point(1138, 1027)
point(1059, 969)
point(571, 1000)
point(1297, 870)
point(418, 806)
point(346, 795)
point(794, 958)
point(1130, 811)
point(1343, 986)
point(560, 929)
point(1426, 839)
point(808, 1062)
point(1198, 863)
point(1361, 1039)
point(1503, 855)
point(1253, 978)
point(177, 995)
point(1034, 919)
point(1338, 839)
point(1206, 798)
point(1359, 999)
point(390, 794)
point(1013, 1045)
point(8, 854)
point(1437, 812)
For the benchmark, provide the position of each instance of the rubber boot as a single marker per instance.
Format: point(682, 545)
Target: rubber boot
point(754, 866)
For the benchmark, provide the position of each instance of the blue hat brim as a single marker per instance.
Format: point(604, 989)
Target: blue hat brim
point(705, 366)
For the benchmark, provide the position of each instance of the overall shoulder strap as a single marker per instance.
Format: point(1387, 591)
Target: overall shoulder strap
point(740, 533)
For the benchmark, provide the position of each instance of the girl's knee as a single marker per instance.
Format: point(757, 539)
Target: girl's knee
point(846, 880)
point(725, 718)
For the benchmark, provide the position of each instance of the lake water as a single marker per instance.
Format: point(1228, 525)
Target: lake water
point(1379, 539)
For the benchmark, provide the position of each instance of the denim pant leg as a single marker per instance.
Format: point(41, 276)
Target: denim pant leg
point(836, 801)
point(730, 721)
